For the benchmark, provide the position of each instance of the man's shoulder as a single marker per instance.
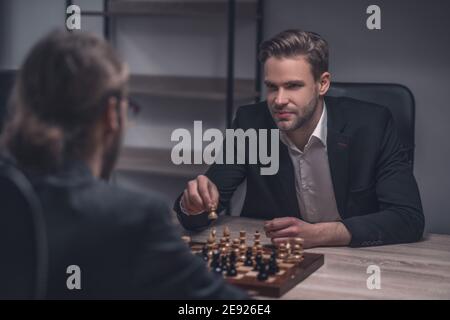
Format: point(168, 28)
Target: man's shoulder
point(112, 199)
point(104, 204)
point(358, 112)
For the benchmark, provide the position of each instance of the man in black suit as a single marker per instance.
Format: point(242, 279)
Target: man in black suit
point(68, 115)
point(343, 178)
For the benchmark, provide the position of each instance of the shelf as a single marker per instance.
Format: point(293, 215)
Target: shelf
point(191, 87)
point(156, 161)
point(244, 9)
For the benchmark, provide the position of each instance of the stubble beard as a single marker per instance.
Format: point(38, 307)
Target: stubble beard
point(300, 121)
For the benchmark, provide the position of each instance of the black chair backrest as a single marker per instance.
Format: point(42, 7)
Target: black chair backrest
point(23, 245)
point(6, 83)
point(397, 98)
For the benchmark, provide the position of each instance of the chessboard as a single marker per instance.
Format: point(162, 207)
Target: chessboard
point(263, 270)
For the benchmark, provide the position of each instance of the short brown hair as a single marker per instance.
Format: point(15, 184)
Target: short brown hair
point(292, 43)
point(59, 94)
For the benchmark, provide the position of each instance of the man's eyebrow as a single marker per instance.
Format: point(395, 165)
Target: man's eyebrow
point(268, 83)
point(295, 82)
point(287, 83)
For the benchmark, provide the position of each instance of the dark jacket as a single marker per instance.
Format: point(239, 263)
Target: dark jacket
point(124, 243)
point(376, 193)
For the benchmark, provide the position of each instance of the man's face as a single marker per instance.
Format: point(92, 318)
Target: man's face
point(292, 92)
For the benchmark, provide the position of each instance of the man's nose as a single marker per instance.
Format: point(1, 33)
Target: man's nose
point(281, 98)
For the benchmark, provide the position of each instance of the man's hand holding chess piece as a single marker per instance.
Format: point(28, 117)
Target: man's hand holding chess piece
point(201, 195)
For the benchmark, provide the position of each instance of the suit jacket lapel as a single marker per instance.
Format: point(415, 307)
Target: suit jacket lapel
point(338, 146)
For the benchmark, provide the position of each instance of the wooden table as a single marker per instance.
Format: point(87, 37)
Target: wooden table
point(407, 271)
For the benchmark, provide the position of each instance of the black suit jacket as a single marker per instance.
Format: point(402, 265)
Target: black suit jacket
point(124, 242)
point(376, 193)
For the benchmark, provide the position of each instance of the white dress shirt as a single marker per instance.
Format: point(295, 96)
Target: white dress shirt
point(314, 187)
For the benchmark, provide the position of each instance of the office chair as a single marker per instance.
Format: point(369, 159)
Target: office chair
point(397, 98)
point(23, 244)
point(6, 83)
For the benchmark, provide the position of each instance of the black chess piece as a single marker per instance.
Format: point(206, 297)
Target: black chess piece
point(248, 262)
point(274, 254)
point(263, 273)
point(218, 270)
point(259, 263)
point(232, 272)
point(215, 260)
point(248, 258)
point(233, 257)
point(273, 268)
point(223, 263)
point(205, 253)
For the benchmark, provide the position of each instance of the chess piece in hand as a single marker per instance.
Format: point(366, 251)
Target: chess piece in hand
point(212, 213)
point(201, 195)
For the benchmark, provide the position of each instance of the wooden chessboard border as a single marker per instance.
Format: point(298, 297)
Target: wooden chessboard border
point(310, 263)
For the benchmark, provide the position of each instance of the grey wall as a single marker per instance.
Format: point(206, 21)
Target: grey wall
point(411, 49)
point(22, 22)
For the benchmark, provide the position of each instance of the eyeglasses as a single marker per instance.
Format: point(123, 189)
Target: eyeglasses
point(134, 110)
point(133, 107)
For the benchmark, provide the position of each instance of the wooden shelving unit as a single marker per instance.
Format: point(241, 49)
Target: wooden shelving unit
point(226, 91)
point(245, 10)
point(191, 87)
point(156, 161)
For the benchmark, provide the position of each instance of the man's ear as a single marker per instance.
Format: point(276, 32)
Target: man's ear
point(324, 83)
point(112, 116)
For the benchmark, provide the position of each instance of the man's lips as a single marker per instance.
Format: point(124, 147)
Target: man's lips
point(283, 114)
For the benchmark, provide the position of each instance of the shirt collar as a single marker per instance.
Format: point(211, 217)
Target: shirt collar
point(320, 131)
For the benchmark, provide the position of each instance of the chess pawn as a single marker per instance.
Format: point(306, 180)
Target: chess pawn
point(299, 241)
point(210, 242)
point(232, 257)
point(282, 252)
point(232, 272)
point(210, 255)
point(224, 263)
point(215, 256)
point(273, 267)
point(259, 249)
point(242, 249)
point(222, 246)
point(228, 247)
point(212, 213)
point(297, 252)
point(226, 233)
point(263, 273)
point(288, 248)
point(242, 236)
point(235, 247)
point(186, 239)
